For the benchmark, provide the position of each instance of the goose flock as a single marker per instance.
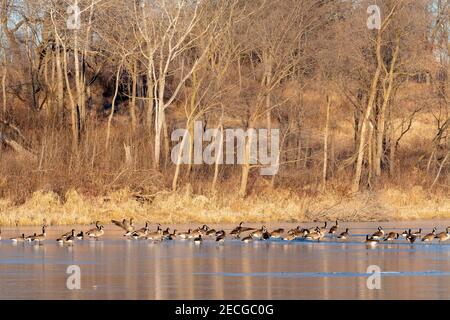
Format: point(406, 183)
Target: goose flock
point(240, 232)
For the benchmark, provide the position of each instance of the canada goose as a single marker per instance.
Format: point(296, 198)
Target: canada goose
point(40, 237)
point(156, 235)
point(166, 232)
point(259, 234)
point(391, 236)
point(378, 235)
point(184, 235)
point(315, 235)
point(334, 228)
point(304, 232)
point(411, 237)
point(291, 237)
point(71, 238)
point(96, 233)
point(418, 233)
point(139, 234)
point(211, 232)
point(236, 233)
point(94, 229)
point(203, 230)
point(404, 234)
point(220, 233)
point(19, 239)
point(67, 238)
point(125, 224)
point(430, 236)
point(172, 236)
point(80, 236)
point(277, 234)
point(29, 238)
point(309, 230)
point(67, 234)
point(239, 229)
point(198, 240)
point(371, 241)
point(195, 234)
point(444, 236)
point(220, 238)
point(295, 232)
point(323, 229)
point(344, 235)
point(247, 239)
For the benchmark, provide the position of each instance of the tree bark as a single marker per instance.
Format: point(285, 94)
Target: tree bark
point(381, 123)
point(366, 118)
point(113, 106)
point(325, 144)
point(133, 96)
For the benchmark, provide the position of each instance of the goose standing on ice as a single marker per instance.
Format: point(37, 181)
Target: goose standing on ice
point(378, 235)
point(371, 241)
point(344, 235)
point(19, 239)
point(96, 232)
point(444, 236)
point(334, 228)
point(126, 225)
point(430, 236)
point(40, 237)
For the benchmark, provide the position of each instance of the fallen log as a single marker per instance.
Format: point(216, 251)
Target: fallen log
point(18, 148)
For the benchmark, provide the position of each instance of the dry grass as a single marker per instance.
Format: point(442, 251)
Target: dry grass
point(185, 207)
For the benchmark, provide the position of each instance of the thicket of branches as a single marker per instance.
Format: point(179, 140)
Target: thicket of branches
point(91, 104)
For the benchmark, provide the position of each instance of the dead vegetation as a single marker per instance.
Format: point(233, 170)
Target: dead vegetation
point(184, 207)
point(86, 114)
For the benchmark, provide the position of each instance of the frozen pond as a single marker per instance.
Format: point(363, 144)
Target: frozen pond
point(116, 268)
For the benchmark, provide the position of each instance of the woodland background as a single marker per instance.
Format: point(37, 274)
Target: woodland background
point(86, 113)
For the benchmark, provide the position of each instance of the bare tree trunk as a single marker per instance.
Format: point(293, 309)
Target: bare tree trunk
point(150, 97)
point(366, 118)
point(78, 84)
point(371, 155)
point(246, 165)
point(113, 106)
point(133, 96)
point(4, 74)
point(325, 145)
point(159, 122)
point(218, 157)
point(74, 117)
point(381, 123)
point(59, 81)
point(392, 151)
point(178, 163)
point(440, 170)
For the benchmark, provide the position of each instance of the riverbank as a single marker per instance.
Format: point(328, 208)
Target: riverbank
point(186, 207)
